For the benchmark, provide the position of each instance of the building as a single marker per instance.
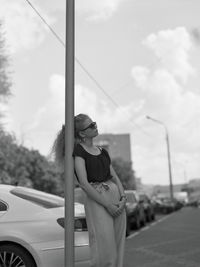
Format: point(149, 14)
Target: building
point(117, 145)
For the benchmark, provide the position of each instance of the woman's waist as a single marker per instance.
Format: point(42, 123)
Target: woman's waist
point(99, 179)
point(104, 186)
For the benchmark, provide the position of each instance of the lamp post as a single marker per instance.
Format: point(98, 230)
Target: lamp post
point(168, 155)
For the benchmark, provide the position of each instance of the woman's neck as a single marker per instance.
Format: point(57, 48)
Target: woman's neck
point(88, 143)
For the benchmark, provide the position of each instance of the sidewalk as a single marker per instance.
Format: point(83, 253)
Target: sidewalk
point(172, 242)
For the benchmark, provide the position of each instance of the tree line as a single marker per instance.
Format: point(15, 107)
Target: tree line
point(27, 167)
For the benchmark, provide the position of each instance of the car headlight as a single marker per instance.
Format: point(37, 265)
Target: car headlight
point(80, 224)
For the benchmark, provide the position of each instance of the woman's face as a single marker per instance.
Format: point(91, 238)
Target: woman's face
point(89, 128)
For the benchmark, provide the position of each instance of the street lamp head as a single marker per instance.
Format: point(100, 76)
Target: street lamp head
point(155, 120)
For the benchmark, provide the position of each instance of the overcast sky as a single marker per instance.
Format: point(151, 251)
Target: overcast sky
point(144, 53)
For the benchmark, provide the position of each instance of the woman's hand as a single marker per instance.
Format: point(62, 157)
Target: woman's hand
point(121, 205)
point(114, 209)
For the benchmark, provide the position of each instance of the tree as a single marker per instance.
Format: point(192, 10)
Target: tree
point(5, 83)
point(125, 172)
point(18, 164)
point(21, 166)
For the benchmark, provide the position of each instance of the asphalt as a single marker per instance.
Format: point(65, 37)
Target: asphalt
point(171, 241)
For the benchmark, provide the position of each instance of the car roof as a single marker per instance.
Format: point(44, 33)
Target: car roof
point(16, 196)
point(130, 191)
point(6, 187)
point(32, 195)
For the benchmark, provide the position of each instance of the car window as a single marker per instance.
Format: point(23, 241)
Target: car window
point(3, 206)
point(143, 198)
point(39, 198)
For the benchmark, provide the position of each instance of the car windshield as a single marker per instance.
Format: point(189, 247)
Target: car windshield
point(45, 200)
point(131, 198)
point(166, 200)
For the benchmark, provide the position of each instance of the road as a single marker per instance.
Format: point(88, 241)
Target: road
point(172, 241)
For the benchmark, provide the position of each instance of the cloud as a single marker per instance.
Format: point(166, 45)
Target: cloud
point(42, 128)
point(23, 28)
point(140, 74)
point(163, 94)
point(49, 118)
point(52, 5)
point(171, 47)
point(97, 10)
point(168, 98)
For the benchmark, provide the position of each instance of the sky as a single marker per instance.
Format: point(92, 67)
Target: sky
point(145, 54)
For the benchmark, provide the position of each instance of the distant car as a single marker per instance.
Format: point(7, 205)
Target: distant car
point(148, 207)
point(164, 205)
point(134, 210)
point(194, 203)
point(32, 229)
point(178, 204)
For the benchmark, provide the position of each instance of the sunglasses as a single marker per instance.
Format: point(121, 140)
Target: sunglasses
point(92, 125)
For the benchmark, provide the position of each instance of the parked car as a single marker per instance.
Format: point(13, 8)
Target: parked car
point(79, 195)
point(134, 210)
point(164, 205)
point(178, 204)
point(194, 203)
point(148, 207)
point(32, 229)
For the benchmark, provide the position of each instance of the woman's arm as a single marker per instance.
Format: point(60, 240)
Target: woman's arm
point(90, 191)
point(117, 181)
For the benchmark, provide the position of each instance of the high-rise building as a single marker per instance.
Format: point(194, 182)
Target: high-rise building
point(118, 145)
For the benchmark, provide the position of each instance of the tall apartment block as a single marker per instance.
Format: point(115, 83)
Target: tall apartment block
point(118, 145)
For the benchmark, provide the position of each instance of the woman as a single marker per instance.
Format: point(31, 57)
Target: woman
point(105, 198)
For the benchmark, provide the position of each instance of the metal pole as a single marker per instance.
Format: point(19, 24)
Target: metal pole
point(168, 156)
point(169, 166)
point(69, 136)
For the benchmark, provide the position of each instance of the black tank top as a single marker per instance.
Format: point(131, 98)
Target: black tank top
point(97, 166)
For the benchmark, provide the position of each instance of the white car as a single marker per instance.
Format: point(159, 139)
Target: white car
point(32, 229)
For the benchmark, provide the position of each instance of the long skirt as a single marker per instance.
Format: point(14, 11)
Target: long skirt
point(106, 234)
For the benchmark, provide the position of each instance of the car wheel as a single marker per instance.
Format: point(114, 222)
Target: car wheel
point(144, 221)
point(137, 223)
point(165, 211)
point(128, 227)
point(148, 217)
point(11, 255)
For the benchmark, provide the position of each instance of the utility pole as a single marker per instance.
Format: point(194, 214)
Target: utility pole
point(168, 156)
point(69, 136)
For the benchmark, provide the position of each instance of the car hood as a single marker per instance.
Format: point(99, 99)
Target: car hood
point(131, 205)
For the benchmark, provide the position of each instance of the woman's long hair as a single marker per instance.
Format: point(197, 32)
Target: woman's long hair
point(58, 149)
